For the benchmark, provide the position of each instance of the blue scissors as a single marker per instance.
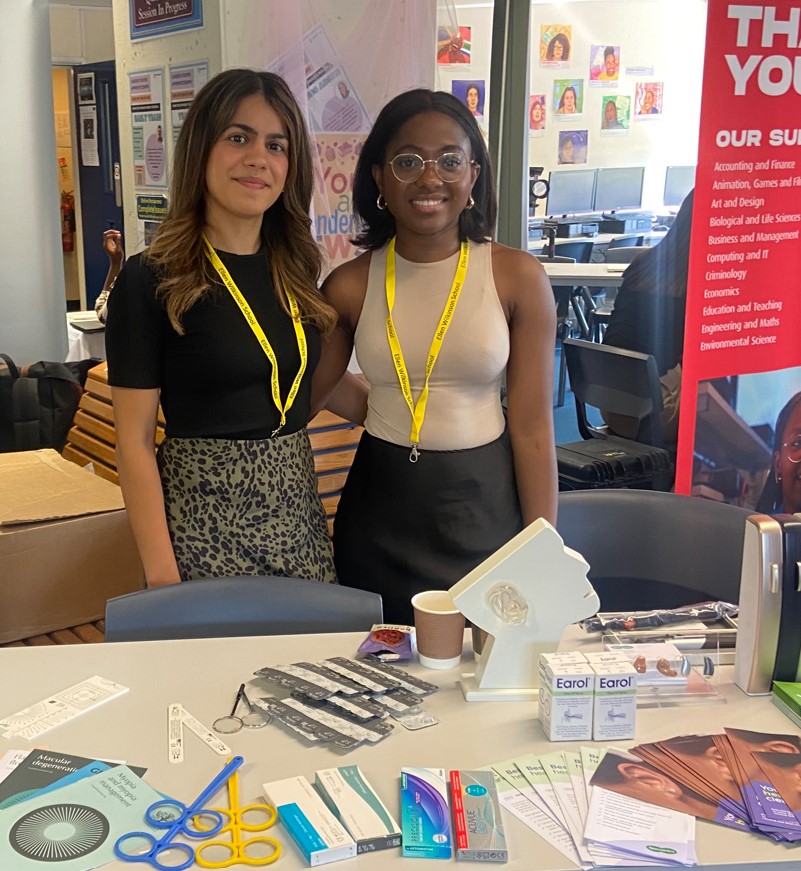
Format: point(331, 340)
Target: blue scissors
point(176, 818)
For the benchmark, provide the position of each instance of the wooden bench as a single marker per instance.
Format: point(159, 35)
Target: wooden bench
point(92, 439)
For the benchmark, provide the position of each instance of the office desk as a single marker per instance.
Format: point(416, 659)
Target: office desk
point(594, 274)
point(204, 676)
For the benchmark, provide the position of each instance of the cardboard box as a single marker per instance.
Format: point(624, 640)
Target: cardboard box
point(65, 545)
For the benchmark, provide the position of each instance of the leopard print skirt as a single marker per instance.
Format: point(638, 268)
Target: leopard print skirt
point(245, 507)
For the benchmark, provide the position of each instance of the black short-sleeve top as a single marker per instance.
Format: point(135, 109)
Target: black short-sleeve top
point(215, 379)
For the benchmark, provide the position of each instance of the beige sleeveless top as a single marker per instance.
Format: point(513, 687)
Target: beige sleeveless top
point(464, 409)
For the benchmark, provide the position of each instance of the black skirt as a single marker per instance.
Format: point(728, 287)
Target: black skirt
point(403, 527)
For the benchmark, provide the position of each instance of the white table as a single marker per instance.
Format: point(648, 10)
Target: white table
point(204, 675)
point(83, 345)
point(593, 274)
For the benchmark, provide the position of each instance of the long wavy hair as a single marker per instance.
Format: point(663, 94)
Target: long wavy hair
point(377, 226)
point(177, 249)
point(771, 499)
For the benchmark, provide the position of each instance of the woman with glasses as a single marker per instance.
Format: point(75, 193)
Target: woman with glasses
point(782, 491)
point(438, 314)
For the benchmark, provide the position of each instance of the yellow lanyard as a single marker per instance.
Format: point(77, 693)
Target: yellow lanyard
point(254, 325)
point(418, 409)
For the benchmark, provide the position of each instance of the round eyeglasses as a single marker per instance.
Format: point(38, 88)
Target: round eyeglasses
point(793, 449)
point(449, 167)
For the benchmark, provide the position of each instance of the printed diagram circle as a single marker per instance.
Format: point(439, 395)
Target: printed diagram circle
point(59, 832)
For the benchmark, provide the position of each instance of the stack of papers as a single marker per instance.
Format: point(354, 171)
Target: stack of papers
point(554, 795)
point(742, 779)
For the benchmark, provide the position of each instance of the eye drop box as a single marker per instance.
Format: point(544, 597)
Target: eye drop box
point(313, 828)
point(478, 830)
point(614, 701)
point(354, 803)
point(425, 817)
point(566, 700)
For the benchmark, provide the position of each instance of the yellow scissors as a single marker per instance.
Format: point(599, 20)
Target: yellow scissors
point(238, 851)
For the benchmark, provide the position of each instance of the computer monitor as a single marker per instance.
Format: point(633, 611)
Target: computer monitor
point(679, 181)
point(571, 191)
point(618, 188)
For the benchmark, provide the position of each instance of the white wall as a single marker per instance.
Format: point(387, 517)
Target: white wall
point(667, 35)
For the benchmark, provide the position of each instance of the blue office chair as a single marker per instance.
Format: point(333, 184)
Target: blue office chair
point(231, 607)
point(648, 549)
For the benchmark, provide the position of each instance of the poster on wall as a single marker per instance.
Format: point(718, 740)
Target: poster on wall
point(568, 97)
point(87, 118)
point(555, 44)
point(648, 100)
point(471, 92)
point(572, 147)
point(740, 420)
point(604, 65)
point(86, 88)
point(151, 210)
point(536, 115)
point(151, 18)
point(333, 104)
point(185, 81)
point(615, 115)
point(454, 44)
point(146, 89)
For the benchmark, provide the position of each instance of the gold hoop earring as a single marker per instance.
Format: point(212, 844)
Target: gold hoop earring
point(470, 202)
point(380, 202)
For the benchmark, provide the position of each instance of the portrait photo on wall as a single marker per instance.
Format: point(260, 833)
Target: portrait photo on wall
point(568, 96)
point(555, 44)
point(604, 65)
point(615, 114)
point(536, 114)
point(572, 147)
point(471, 93)
point(648, 99)
point(748, 440)
point(453, 44)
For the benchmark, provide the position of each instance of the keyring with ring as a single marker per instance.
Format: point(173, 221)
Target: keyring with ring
point(232, 723)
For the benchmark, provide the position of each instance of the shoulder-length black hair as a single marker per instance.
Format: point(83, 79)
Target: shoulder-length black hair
point(377, 226)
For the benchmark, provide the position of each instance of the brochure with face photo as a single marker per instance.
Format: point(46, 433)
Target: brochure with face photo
point(629, 775)
point(765, 806)
point(783, 770)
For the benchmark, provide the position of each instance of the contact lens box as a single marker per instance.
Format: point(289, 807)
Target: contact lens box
point(313, 828)
point(614, 709)
point(425, 817)
point(354, 803)
point(478, 831)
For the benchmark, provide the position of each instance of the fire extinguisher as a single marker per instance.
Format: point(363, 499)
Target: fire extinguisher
point(67, 221)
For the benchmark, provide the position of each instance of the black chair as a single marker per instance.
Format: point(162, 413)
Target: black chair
point(655, 550)
point(632, 241)
point(622, 383)
point(622, 255)
point(229, 607)
point(618, 381)
point(580, 249)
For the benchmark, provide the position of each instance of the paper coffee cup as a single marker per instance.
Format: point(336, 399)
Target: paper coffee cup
point(439, 629)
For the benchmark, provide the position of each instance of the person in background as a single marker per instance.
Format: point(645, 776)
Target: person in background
point(648, 317)
point(220, 320)
point(438, 312)
point(558, 48)
point(782, 490)
point(112, 245)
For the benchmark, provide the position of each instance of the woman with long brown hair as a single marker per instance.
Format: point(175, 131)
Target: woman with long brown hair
point(220, 321)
